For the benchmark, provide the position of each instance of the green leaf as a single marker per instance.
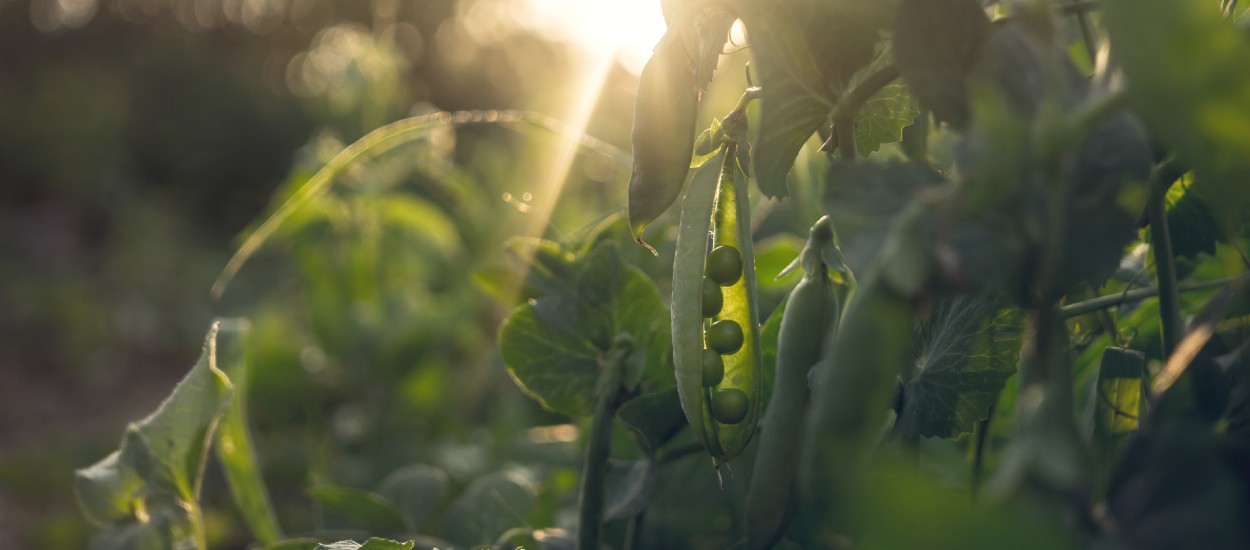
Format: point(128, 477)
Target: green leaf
point(1118, 401)
point(489, 507)
point(936, 43)
point(1193, 229)
point(552, 346)
point(416, 491)
point(882, 118)
point(964, 355)
point(363, 508)
point(165, 529)
point(156, 472)
point(863, 198)
point(1188, 79)
point(773, 255)
point(806, 52)
point(656, 417)
point(628, 488)
point(234, 445)
point(769, 333)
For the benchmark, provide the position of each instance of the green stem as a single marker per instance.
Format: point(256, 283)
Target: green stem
point(1112, 300)
point(598, 448)
point(1087, 31)
point(978, 451)
point(850, 104)
point(1165, 267)
point(197, 526)
point(854, 100)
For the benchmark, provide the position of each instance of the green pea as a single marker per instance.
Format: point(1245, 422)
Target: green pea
point(724, 265)
point(729, 406)
point(713, 368)
point(715, 204)
point(713, 298)
point(725, 336)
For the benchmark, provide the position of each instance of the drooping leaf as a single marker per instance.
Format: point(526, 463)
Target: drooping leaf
point(964, 355)
point(366, 509)
point(552, 346)
point(656, 417)
point(234, 445)
point(628, 488)
point(806, 52)
point(164, 529)
point(1187, 77)
point(488, 508)
point(155, 475)
point(936, 42)
point(416, 491)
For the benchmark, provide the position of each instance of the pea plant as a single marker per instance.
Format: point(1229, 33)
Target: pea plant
point(1020, 315)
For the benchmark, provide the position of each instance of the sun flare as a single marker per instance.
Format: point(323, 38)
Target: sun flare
point(625, 29)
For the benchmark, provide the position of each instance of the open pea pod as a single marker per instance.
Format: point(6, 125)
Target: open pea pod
point(722, 403)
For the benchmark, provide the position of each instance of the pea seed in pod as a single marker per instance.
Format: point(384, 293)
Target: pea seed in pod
point(729, 406)
point(713, 298)
point(713, 368)
point(725, 336)
point(724, 265)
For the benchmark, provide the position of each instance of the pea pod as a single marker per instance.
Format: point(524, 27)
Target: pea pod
point(665, 110)
point(810, 313)
point(854, 389)
point(716, 191)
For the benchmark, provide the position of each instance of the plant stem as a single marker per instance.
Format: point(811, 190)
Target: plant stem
point(850, 104)
point(854, 100)
point(1165, 267)
point(197, 525)
point(978, 451)
point(598, 448)
point(1112, 300)
point(1087, 30)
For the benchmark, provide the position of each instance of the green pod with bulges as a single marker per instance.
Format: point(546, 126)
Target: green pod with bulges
point(715, 204)
point(810, 313)
point(852, 392)
point(665, 112)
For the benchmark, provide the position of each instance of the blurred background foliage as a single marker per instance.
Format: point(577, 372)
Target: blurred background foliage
point(140, 139)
